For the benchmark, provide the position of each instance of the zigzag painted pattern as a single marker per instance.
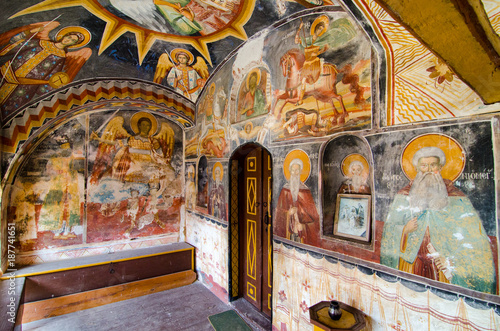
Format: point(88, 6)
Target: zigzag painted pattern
point(492, 8)
point(410, 56)
point(21, 127)
point(413, 106)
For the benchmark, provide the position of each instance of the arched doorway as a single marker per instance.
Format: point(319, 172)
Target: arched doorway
point(250, 237)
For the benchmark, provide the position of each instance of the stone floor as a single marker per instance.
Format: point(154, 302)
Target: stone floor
point(183, 308)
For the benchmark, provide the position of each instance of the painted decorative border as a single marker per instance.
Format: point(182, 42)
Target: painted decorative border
point(208, 218)
point(21, 127)
point(414, 285)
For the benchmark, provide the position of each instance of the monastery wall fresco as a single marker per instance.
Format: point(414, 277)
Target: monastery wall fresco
point(95, 180)
point(341, 92)
point(354, 194)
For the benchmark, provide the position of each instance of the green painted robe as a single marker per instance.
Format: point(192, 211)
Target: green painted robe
point(456, 232)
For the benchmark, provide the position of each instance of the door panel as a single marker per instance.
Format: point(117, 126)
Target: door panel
point(252, 229)
point(255, 230)
point(267, 240)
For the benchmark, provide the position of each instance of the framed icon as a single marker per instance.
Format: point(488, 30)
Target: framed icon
point(353, 217)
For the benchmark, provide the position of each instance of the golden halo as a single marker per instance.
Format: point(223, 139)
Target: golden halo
point(248, 127)
point(211, 89)
point(254, 70)
point(177, 51)
point(134, 122)
point(454, 152)
point(322, 18)
point(301, 155)
point(218, 165)
point(346, 163)
point(86, 34)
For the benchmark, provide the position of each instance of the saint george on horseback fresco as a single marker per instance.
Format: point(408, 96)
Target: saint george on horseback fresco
point(317, 43)
point(314, 87)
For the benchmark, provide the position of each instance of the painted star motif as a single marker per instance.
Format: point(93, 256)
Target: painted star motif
point(145, 38)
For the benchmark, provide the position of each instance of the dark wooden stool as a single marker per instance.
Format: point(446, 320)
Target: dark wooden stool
point(352, 318)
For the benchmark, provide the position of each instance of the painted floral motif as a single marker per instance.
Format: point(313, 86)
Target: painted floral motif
point(306, 285)
point(304, 306)
point(282, 295)
point(440, 73)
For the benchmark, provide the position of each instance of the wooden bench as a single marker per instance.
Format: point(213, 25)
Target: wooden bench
point(66, 286)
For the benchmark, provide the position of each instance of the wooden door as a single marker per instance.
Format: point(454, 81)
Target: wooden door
point(255, 230)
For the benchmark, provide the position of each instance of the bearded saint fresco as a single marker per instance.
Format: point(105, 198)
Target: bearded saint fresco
point(296, 215)
point(355, 168)
point(217, 196)
point(432, 228)
point(132, 180)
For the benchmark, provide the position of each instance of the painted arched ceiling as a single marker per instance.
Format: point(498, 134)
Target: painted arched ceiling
point(143, 40)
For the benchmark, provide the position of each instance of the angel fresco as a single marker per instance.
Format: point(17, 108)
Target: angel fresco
point(24, 78)
point(134, 169)
point(186, 79)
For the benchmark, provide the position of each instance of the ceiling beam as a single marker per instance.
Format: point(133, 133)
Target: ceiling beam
point(460, 33)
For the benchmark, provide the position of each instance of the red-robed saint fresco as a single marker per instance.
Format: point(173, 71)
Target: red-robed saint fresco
point(296, 216)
